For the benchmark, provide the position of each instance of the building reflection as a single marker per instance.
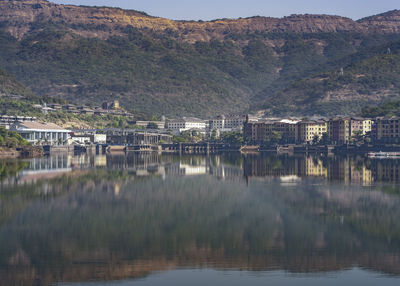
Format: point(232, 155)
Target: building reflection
point(231, 166)
point(125, 216)
point(349, 170)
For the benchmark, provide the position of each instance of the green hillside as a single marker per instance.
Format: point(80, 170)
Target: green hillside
point(158, 72)
point(370, 77)
point(10, 86)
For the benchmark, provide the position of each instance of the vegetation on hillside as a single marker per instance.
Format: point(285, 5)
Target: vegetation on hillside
point(25, 107)
point(11, 139)
point(157, 74)
point(370, 77)
point(390, 108)
point(10, 86)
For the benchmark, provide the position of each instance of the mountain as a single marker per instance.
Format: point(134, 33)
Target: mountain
point(160, 66)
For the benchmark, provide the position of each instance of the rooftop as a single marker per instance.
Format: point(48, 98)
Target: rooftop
point(38, 126)
point(188, 119)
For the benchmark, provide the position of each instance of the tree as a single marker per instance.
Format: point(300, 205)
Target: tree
point(188, 136)
point(214, 134)
point(358, 137)
point(234, 137)
point(315, 140)
point(275, 138)
point(12, 142)
point(324, 139)
point(11, 139)
point(152, 125)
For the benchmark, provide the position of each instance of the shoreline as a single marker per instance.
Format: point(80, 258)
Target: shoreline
point(200, 148)
point(21, 152)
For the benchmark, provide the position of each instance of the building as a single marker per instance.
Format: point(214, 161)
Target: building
point(79, 139)
point(264, 130)
point(227, 123)
point(386, 129)
point(310, 129)
point(342, 129)
point(151, 124)
point(132, 137)
point(186, 123)
point(287, 128)
point(85, 110)
point(7, 121)
point(255, 132)
point(42, 133)
point(55, 106)
point(111, 105)
point(87, 137)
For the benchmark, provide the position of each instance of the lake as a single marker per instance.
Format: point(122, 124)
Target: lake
point(228, 219)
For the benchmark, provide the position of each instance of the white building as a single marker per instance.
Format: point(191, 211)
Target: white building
point(6, 120)
point(186, 123)
point(227, 123)
point(42, 133)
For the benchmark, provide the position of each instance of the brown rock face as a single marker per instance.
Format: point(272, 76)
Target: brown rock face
point(388, 22)
point(20, 15)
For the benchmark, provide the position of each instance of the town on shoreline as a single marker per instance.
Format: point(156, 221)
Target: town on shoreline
point(221, 133)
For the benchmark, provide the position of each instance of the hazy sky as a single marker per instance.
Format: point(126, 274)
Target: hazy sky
point(213, 9)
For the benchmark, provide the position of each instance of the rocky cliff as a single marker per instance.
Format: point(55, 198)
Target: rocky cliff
point(388, 22)
point(21, 15)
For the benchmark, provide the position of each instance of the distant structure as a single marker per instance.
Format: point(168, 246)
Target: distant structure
point(186, 123)
point(227, 123)
point(111, 105)
point(151, 124)
point(42, 133)
point(6, 121)
point(338, 130)
point(341, 72)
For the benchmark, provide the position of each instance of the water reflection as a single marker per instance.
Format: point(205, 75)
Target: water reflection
point(349, 170)
point(104, 218)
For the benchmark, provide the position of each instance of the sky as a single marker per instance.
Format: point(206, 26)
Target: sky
point(216, 9)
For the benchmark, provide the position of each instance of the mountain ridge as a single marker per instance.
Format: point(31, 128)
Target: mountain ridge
point(30, 11)
point(161, 66)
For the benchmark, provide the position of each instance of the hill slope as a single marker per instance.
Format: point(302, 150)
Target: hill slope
point(160, 66)
point(365, 81)
point(10, 86)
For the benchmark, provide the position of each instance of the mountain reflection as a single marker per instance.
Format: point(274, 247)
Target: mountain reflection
point(87, 218)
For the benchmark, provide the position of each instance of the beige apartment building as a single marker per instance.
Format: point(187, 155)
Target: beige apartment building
point(307, 130)
point(386, 128)
point(342, 129)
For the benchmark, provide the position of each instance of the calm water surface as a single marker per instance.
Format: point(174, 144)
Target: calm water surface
point(230, 219)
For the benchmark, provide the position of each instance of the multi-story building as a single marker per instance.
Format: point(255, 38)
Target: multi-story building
point(223, 122)
point(342, 129)
point(234, 122)
point(186, 123)
point(151, 124)
point(264, 130)
point(386, 129)
point(42, 133)
point(308, 130)
point(255, 132)
point(287, 128)
point(338, 129)
point(217, 123)
point(6, 120)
